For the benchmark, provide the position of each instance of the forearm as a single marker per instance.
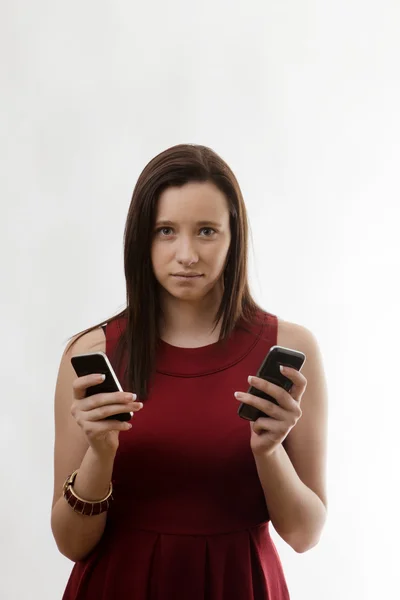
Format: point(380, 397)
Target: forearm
point(75, 534)
point(296, 512)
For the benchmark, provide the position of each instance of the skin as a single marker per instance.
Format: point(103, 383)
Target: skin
point(191, 235)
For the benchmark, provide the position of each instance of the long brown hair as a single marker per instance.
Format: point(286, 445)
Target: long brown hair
point(175, 167)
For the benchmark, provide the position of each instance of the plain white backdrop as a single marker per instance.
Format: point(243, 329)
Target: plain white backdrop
point(301, 99)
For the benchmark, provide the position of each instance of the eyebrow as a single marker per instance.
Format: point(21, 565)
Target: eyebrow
point(165, 223)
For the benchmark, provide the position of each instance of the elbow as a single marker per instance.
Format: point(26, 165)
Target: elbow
point(70, 553)
point(64, 546)
point(303, 545)
point(66, 551)
point(308, 536)
point(303, 541)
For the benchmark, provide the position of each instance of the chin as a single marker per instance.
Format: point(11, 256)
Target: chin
point(186, 295)
point(183, 293)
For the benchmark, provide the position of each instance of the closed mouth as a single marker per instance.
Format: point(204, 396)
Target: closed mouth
point(186, 275)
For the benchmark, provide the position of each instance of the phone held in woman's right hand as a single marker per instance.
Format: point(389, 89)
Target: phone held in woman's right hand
point(98, 362)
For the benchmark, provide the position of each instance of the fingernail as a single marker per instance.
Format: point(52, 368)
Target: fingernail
point(238, 395)
point(249, 379)
point(282, 368)
point(134, 396)
point(141, 404)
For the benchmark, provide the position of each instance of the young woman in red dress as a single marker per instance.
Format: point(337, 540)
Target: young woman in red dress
point(177, 504)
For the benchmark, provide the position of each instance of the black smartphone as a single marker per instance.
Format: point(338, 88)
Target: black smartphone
point(269, 370)
point(98, 362)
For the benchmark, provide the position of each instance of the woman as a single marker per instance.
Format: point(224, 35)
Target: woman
point(193, 485)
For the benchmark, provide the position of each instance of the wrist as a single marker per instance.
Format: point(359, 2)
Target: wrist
point(270, 455)
point(81, 505)
point(105, 455)
point(94, 474)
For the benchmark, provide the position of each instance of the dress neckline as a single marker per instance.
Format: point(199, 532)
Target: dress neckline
point(204, 360)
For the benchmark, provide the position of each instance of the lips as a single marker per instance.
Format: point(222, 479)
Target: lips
point(187, 275)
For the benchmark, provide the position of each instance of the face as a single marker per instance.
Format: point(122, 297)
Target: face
point(191, 240)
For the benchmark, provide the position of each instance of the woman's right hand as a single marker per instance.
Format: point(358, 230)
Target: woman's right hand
point(90, 413)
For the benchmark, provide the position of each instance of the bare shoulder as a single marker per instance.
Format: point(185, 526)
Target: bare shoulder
point(93, 341)
point(299, 337)
point(293, 335)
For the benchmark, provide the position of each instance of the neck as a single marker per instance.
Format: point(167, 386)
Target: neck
point(184, 322)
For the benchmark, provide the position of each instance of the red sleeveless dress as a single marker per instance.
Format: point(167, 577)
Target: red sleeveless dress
point(189, 519)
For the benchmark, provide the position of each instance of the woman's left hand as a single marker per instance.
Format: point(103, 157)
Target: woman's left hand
point(268, 432)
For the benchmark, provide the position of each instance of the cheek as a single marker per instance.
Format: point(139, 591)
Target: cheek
point(216, 260)
point(160, 259)
point(222, 253)
point(155, 257)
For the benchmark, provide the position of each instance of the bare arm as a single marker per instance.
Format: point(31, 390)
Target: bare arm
point(293, 476)
point(297, 513)
point(76, 535)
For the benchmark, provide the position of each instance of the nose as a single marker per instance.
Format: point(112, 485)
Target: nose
point(186, 254)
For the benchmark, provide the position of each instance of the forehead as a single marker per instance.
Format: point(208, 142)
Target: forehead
point(197, 201)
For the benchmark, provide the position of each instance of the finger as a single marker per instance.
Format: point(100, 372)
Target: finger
point(298, 380)
point(102, 412)
point(93, 429)
point(294, 375)
point(266, 406)
point(279, 394)
point(283, 397)
point(263, 425)
point(81, 384)
point(97, 400)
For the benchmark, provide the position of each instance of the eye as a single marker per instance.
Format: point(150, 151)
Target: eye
point(162, 230)
point(209, 229)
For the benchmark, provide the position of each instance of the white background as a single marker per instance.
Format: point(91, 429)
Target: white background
point(302, 100)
